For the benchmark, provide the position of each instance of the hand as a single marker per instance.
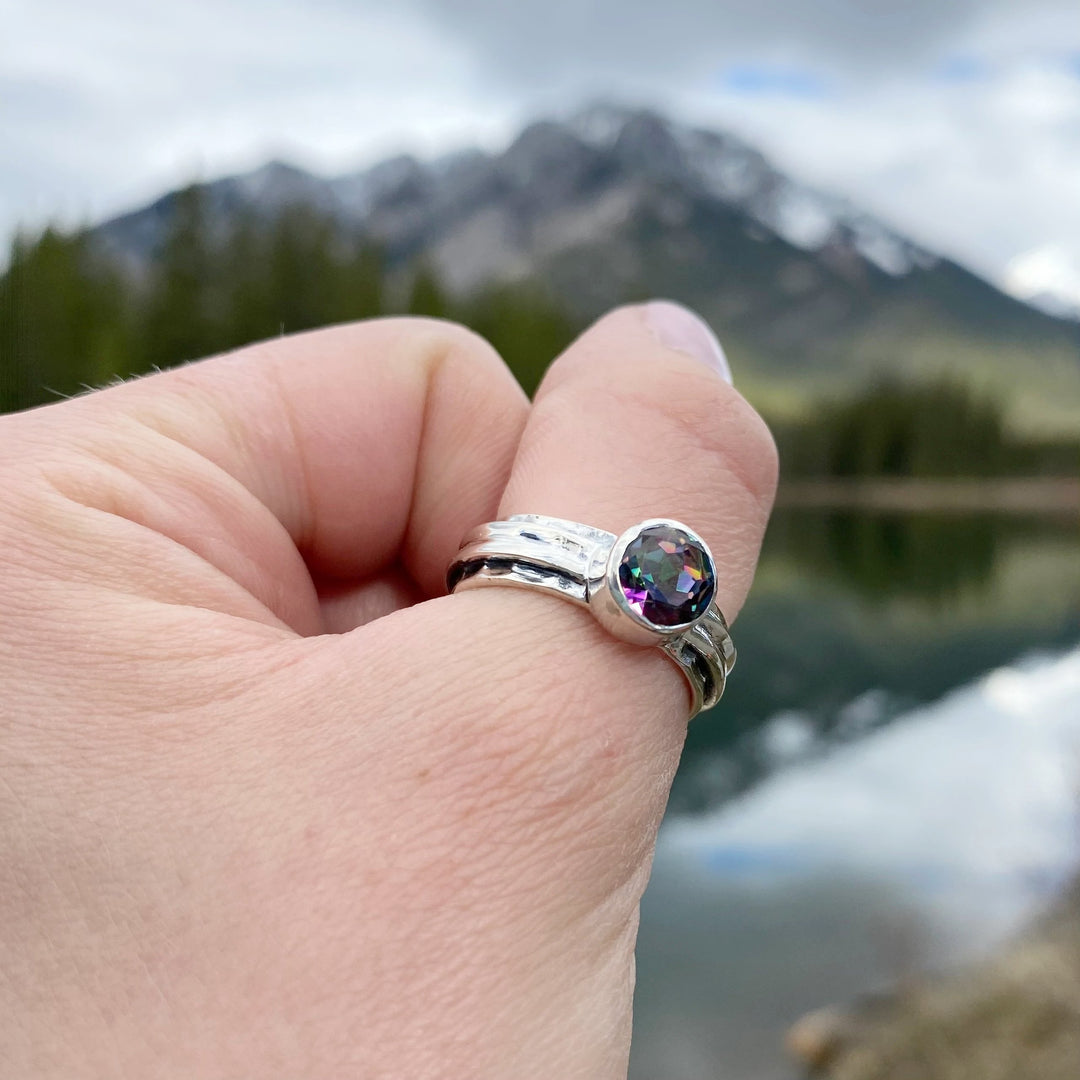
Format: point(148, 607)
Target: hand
point(271, 804)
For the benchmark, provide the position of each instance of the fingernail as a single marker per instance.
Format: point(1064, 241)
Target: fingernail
point(679, 328)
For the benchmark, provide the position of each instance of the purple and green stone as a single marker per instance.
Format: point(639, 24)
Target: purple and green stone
point(666, 577)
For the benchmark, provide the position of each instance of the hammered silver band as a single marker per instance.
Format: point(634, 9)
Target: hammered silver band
point(575, 562)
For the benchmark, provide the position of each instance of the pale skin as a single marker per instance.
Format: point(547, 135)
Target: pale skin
point(272, 804)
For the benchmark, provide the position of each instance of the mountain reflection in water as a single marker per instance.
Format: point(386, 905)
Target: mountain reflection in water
point(856, 618)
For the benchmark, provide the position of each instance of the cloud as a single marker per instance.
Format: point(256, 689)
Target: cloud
point(1047, 271)
point(538, 42)
point(548, 44)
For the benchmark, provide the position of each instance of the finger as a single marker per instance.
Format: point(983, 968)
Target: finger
point(638, 420)
point(635, 420)
point(354, 447)
point(543, 746)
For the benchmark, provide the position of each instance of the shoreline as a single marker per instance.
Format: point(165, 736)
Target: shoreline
point(1020, 1004)
point(1053, 496)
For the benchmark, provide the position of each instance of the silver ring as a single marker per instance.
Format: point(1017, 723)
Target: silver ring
point(653, 585)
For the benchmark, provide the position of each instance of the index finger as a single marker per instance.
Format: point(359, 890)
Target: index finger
point(364, 445)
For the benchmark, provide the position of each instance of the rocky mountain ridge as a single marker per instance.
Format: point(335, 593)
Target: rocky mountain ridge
point(615, 204)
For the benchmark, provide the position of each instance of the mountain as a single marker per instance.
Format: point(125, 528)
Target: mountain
point(810, 294)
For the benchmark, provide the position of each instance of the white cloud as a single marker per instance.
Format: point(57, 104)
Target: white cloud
point(541, 42)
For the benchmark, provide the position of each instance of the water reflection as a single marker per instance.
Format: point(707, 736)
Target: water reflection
point(827, 654)
point(891, 780)
point(923, 843)
point(934, 557)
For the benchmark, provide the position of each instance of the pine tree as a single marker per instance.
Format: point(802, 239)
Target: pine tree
point(62, 320)
point(179, 319)
point(524, 327)
point(426, 297)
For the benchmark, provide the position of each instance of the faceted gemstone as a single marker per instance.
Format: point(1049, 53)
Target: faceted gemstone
point(666, 577)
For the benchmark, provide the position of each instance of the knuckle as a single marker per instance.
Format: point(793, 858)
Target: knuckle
point(743, 440)
point(714, 423)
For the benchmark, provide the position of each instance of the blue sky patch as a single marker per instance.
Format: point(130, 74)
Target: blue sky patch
point(964, 68)
point(782, 80)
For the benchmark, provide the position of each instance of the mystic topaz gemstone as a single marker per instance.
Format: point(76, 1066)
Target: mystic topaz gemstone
point(666, 577)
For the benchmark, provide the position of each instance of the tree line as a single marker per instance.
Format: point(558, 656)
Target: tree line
point(934, 428)
point(71, 319)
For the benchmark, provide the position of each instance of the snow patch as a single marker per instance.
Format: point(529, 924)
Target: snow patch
point(802, 218)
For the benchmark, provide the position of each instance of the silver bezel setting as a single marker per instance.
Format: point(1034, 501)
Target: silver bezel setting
point(610, 605)
point(580, 563)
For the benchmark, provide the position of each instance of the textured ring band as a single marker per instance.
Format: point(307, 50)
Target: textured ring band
point(653, 585)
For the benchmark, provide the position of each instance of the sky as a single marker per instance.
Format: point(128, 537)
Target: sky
point(957, 121)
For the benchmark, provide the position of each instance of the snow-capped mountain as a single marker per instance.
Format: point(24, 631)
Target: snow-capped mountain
point(403, 202)
point(616, 203)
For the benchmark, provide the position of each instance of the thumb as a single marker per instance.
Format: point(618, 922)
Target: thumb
point(556, 743)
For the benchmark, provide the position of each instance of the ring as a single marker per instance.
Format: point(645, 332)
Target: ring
point(653, 585)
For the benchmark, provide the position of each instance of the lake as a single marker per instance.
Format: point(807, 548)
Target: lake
point(891, 783)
